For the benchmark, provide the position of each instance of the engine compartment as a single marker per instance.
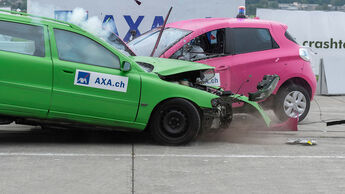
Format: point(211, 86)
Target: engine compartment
point(193, 79)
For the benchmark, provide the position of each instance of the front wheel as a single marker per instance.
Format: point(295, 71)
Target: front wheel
point(175, 122)
point(291, 102)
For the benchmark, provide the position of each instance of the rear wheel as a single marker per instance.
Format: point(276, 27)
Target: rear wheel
point(291, 102)
point(175, 122)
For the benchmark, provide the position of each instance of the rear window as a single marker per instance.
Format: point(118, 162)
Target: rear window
point(291, 38)
point(252, 39)
point(22, 38)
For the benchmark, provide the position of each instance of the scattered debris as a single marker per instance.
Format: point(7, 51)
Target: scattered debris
point(303, 141)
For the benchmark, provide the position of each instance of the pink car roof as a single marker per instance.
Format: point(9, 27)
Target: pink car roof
point(213, 23)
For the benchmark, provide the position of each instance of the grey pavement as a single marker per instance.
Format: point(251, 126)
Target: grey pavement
point(236, 160)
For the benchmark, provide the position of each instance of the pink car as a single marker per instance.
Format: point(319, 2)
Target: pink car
point(242, 51)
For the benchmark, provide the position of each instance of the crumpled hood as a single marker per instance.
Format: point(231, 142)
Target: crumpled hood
point(167, 67)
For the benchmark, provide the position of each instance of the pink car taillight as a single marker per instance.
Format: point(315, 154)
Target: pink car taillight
point(304, 54)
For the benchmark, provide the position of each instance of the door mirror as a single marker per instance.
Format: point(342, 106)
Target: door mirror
point(126, 66)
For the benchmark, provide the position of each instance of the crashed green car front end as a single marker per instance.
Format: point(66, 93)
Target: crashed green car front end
point(181, 79)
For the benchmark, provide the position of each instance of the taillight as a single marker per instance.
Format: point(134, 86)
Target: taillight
point(304, 54)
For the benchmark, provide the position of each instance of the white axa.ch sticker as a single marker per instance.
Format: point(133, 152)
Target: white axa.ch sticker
point(101, 80)
point(215, 81)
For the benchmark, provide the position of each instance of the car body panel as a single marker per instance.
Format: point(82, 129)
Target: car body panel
point(26, 80)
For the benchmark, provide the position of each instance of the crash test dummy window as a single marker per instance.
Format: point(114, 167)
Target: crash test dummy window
point(208, 45)
point(246, 40)
point(22, 38)
point(78, 48)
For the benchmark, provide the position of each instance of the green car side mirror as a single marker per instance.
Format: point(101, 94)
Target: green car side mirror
point(126, 66)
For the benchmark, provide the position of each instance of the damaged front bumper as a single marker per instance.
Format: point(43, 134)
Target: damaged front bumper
point(220, 115)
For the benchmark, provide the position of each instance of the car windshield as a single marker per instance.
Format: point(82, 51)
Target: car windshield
point(116, 42)
point(144, 44)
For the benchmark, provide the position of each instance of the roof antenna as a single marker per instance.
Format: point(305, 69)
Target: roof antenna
point(138, 2)
point(161, 32)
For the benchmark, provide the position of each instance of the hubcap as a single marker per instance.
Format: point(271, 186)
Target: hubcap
point(295, 104)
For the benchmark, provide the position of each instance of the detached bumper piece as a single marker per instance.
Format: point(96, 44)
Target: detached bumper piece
point(220, 116)
point(265, 88)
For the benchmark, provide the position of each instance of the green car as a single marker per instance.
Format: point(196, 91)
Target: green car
point(55, 73)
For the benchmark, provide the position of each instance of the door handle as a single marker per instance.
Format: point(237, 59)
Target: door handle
point(277, 60)
point(68, 71)
point(222, 68)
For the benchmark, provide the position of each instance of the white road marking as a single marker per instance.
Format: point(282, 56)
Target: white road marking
point(238, 156)
point(63, 154)
point(169, 155)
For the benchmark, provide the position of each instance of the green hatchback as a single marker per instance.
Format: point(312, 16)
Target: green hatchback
point(55, 73)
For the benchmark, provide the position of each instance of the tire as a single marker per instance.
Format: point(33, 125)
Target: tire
point(175, 122)
point(291, 99)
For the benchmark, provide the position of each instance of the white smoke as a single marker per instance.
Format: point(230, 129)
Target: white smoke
point(79, 16)
point(93, 24)
point(40, 10)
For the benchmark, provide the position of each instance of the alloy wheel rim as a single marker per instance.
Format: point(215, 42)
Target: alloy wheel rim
point(295, 104)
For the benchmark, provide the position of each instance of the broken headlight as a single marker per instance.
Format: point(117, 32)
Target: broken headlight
point(265, 88)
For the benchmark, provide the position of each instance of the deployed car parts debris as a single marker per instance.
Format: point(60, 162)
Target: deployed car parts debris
point(303, 141)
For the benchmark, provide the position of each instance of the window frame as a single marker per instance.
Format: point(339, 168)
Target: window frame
point(232, 40)
point(46, 45)
point(90, 38)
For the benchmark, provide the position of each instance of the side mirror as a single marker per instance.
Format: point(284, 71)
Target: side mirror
point(126, 66)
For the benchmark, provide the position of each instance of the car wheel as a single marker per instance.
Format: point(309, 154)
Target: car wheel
point(175, 122)
point(291, 102)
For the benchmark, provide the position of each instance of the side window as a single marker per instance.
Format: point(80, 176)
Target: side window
point(22, 38)
point(208, 45)
point(247, 40)
point(77, 48)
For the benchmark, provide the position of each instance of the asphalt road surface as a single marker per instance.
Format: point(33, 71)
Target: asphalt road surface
point(243, 159)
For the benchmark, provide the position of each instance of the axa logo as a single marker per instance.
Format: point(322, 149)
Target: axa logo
point(83, 78)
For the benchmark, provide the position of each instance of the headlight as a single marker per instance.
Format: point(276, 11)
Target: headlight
point(214, 102)
point(206, 75)
point(304, 54)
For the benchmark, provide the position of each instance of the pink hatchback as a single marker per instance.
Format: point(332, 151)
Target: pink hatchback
point(242, 51)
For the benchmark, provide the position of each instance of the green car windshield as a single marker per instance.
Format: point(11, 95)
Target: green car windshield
point(143, 45)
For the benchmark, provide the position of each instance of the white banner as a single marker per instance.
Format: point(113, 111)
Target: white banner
point(101, 80)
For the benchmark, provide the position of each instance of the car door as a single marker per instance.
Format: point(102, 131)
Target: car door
point(255, 54)
point(88, 83)
point(25, 69)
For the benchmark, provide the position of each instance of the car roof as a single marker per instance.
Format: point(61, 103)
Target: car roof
point(201, 24)
point(33, 19)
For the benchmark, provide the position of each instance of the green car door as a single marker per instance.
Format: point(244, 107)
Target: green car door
point(88, 83)
point(25, 69)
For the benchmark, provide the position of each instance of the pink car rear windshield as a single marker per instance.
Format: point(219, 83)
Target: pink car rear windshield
point(143, 45)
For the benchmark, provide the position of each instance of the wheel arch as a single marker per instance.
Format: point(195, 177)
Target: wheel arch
point(297, 81)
